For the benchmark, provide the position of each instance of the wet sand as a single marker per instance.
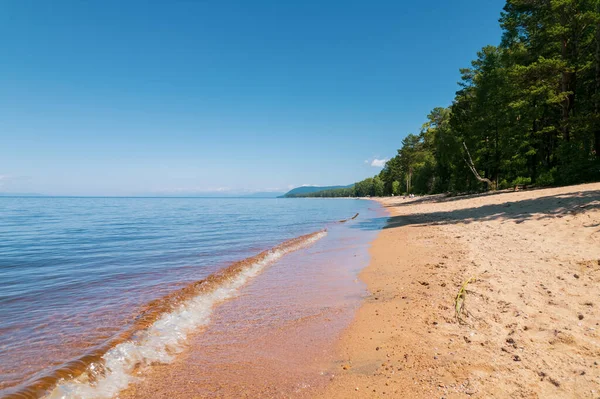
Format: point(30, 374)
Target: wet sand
point(277, 338)
point(530, 323)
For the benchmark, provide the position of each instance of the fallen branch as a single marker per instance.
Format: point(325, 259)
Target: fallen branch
point(471, 166)
point(352, 218)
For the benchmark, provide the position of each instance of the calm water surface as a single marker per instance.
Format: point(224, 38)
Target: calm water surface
point(75, 271)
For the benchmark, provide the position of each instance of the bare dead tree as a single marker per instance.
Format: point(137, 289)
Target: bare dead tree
point(471, 165)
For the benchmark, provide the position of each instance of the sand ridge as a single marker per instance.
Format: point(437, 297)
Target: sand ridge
point(531, 320)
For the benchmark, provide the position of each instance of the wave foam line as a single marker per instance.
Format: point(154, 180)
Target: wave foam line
point(159, 332)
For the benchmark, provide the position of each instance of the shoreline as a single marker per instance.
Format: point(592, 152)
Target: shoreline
point(530, 323)
point(192, 270)
point(530, 265)
point(276, 338)
point(159, 331)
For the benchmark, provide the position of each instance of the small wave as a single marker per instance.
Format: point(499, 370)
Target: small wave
point(158, 333)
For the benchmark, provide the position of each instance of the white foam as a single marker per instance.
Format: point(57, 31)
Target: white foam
point(163, 339)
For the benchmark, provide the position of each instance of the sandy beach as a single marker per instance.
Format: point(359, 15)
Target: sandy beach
point(529, 326)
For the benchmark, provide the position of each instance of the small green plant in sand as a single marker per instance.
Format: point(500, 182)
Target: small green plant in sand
point(459, 300)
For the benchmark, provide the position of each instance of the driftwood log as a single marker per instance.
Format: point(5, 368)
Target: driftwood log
point(471, 166)
point(352, 218)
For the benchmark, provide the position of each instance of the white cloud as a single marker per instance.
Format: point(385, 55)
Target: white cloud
point(378, 163)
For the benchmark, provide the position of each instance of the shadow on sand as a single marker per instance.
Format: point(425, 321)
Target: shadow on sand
point(551, 206)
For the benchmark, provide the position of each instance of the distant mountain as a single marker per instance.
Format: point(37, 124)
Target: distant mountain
point(310, 189)
point(265, 194)
point(217, 194)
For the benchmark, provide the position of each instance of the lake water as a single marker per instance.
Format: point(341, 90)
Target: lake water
point(78, 275)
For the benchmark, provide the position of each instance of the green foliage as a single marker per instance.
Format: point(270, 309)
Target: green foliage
point(521, 181)
point(378, 187)
point(330, 193)
point(364, 188)
point(310, 191)
point(528, 111)
point(546, 178)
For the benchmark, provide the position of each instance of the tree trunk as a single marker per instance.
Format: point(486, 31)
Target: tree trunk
point(567, 87)
point(569, 77)
point(497, 155)
point(596, 119)
point(536, 146)
point(471, 165)
point(487, 172)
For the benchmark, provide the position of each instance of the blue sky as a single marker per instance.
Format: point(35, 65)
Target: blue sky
point(168, 97)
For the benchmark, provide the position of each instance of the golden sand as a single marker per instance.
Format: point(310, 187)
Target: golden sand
point(531, 320)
